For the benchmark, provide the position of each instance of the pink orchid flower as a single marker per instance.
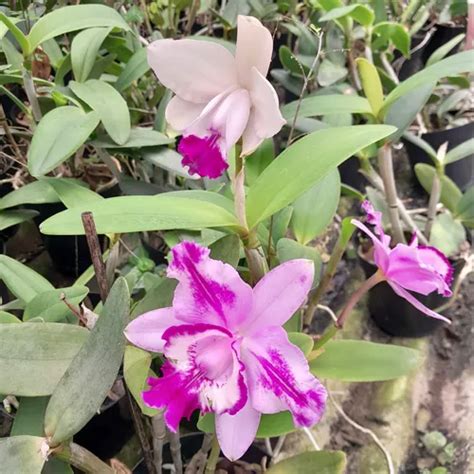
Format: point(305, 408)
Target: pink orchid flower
point(219, 98)
point(413, 267)
point(226, 351)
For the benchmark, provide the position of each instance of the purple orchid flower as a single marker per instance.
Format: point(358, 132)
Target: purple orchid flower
point(226, 351)
point(412, 267)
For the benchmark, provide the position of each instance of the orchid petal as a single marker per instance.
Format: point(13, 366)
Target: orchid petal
point(432, 258)
point(279, 294)
point(279, 379)
point(417, 304)
point(209, 291)
point(146, 331)
point(265, 118)
point(180, 114)
point(381, 251)
point(194, 70)
point(236, 433)
point(254, 48)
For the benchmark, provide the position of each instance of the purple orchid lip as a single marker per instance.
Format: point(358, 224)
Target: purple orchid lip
point(226, 351)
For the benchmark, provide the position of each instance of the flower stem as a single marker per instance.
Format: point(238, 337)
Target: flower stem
point(213, 457)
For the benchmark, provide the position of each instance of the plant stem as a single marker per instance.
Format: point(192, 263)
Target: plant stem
point(82, 459)
point(435, 194)
point(386, 170)
point(213, 457)
point(175, 448)
point(353, 70)
point(198, 461)
point(159, 435)
point(29, 86)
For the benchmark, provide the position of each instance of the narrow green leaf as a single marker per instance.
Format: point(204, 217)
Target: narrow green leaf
point(92, 372)
point(59, 134)
point(363, 361)
point(15, 31)
point(109, 105)
point(84, 49)
point(140, 213)
point(70, 193)
point(459, 152)
point(7, 318)
point(309, 159)
point(22, 454)
point(36, 192)
point(29, 416)
point(136, 67)
point(443, 50)
point(21, 280)
point(371, 84)
point(11, 218)
point(424, 145)
point(465, 208)
point(322, 462)
point(139, 137)
point(361, 13)
point(34, 356)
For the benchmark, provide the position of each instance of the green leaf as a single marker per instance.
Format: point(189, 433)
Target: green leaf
point(456, 64)
point(391, 32)
point(139, 137)
point(136, 67)
point(281, 221)
point(72, 18)
point(424, 145)
point(36, 192)
point(259, 160)
point(109, 105)
point(443, 50)
point(21, 280)
point(314, 210)
point(465, 208)
point(303, 341)
point(22, 454)
point(326, 105)
point(371, 84)
point(450, 193)
point(92, 372)
point(29, 416)
point(136, 370)
point(140, 213)
point(362, 14)
point(159, 296)
point(329, 73)
point(7, 318)
point(205, 196)
point(15, 31)
point(11, 218)
point(226, 249)
point(290, 62)
point(49, 307)
point(322, 462)
point(447, 234)
point(169, 160)
point(84, 49)
point(363, 361)
point(309, 159)
point(34, 356)
point(59, 134)
point(459, 152)
point(70, 193)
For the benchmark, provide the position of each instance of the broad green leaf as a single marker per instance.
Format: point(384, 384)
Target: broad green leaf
point(362, 14)
point(459, 152)
point(329, 73)
point(314, 210)
point(371, 84)
point(206, 196)
point(70, 193)
point(84, 49)
point(92, 372)
point(450, 193)
point(139, 137)
point(169, 160)
point(226, 249)
point(321, 462)
point(136, 370)
point(11, 218)
point(34, 356)
point(36, 192)
point(308, 160)
point(447, 234)
point(9, 24)
point(391, 32)
point(13, 58)
point(303, 341)
point(7, 318)
point(325, 105)
point(443, 50)
point(72, 18)
point(59, 134)
point(140, 213)
point(281, 221)
point(108, 104)
point(456, 64)
point(29, 416)
point(21, 280)
point(53, 50)
point(259, 160)
point(465, 208)
point(363, 361)
point(22, 454)
point(136, 67)
point(159, 296)
point(49, 307)
point(290, 62)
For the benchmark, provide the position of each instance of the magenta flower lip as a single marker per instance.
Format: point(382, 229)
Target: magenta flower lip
point(226, 350)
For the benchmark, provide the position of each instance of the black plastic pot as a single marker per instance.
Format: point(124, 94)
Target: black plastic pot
point(349, 171)
point(417, 59)
point(395, 315)
point(461, 171)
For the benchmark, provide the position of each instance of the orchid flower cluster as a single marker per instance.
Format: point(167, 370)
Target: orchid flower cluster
point(224, 346)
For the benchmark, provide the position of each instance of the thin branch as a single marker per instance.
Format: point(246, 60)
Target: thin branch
point(175, 448)
point(159, 436)
point(328, 310)
point(312, 439)
point(198, 461)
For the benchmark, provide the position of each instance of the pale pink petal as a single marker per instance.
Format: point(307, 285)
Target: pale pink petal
point(265, 118)
point(381, 251)
point(279, 294)
point(254, 48)
point(209, 291)
point(407, 269)
point(417, 304)
point(194, 70)
point(236, 433)
point(146, 331)
point(279, 379)
point(180, 114)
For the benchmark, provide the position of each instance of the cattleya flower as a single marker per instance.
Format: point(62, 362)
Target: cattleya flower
point(219, 98)
point(413, 267)
point(226, 351)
